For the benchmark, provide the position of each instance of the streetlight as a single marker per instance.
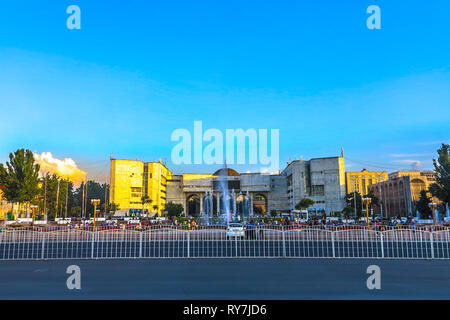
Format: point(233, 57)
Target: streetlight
point(367, 201)
point(433, 206)
point(95, 202)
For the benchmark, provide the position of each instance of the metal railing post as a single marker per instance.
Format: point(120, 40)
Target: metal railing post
point(188, 244)
point(432, 244)
point(332, 244)
point(140, 244)
point(235, 249)
point(284, 242)
point(43, 246)
point(382, 244)
point(92, 245)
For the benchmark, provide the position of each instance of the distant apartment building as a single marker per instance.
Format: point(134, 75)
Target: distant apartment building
point(399, 193)
point(133, 179)
point(360, 181)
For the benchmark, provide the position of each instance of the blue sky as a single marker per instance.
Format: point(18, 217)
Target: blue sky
point(137, 70)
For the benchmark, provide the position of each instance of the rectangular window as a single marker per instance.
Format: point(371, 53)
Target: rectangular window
point(318, 190)
point(136, 192)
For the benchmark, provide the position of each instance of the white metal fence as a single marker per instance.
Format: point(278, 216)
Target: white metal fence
point(212, 242)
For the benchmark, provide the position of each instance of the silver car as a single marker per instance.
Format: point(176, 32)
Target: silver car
point(235, 230)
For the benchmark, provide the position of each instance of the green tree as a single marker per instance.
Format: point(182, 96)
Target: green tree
point(374, 201)
point(304, 204)
point(258, 211)
point(94, 190)
point(52, 199)
point(347, 211)
point(145, 200)
point(75, 211)
point(20, 177)
point(65, 199)
point(49, 194)
point(110, 207)
point(174, 209)
point(441, 188)
point(113, 206)
point(350, 199)
point(422, 205)
point(273, 213)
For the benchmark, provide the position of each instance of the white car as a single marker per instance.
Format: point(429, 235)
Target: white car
point(235, 230)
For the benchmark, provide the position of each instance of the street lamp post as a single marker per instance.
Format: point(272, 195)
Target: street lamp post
point(367, 201)
point(433, 206)
point(95, 202)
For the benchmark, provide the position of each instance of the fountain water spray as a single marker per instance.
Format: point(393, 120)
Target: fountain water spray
point(223, 183)
point(207, 208)
point(247, 204)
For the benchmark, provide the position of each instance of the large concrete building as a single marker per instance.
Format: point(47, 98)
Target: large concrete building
point(321, 179)
point(398, 194)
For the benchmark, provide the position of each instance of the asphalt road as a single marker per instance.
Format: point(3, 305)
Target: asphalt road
point(225, 279)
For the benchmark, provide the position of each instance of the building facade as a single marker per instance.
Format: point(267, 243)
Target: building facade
point(321, 179)
point(398, 194)
point(131, 180)
point(360, 181)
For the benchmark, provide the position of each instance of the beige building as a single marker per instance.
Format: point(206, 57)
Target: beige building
point(321, 179)
point(359, 181)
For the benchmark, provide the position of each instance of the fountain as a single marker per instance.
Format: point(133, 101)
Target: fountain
point(247, 205)
point(223, 186)
point(207, 210)
point(436, 215)
point(233, 205)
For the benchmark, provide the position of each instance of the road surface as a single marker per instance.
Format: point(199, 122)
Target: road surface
point(225, 279)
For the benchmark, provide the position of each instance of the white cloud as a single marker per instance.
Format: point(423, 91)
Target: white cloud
point(402, 155)
point(66, 168)
point(415, 164)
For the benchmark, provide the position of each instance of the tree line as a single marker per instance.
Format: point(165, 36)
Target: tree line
point(50, 194)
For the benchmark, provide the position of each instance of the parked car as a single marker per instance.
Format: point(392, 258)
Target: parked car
point(235, 230)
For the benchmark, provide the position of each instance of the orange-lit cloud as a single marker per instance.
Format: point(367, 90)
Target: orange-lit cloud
point(66, 168)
